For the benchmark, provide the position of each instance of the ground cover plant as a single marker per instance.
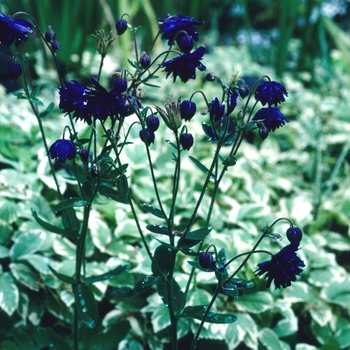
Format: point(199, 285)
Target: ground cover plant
point(172, 202)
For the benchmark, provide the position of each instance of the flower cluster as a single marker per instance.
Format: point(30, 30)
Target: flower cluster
point(271, 93)
point(285, 265)
point(96, 102)
point(14, 30)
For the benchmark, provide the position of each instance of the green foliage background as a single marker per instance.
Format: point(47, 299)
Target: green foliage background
point(300, 172)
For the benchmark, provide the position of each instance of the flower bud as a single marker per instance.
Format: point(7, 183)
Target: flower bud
point(186, 141)
point(147, 136)
point(95, 170)
point(121, 25)
point(294, 234)
point(206, 260)
point(244, 90)
point(120, 85)
point(210, 77)
point(50, 35)
point(263, 132)
point(185, 42)
point(14, 70)
point(145, 60)
point(172, 115)
point(55, 45)
point(84, 155)
point(187, 110)
point(152, 123)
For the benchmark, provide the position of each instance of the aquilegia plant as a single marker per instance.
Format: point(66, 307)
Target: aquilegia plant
point(115, 115)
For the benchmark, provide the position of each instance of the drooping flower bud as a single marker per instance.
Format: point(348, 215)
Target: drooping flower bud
point(50, 35)
point(84, 155)
point(95, 170)
point(186, 141)
point(294, 234)
point(147, 136)
point(121, 25)
point(120, 85)
point(55, 45)
point(14, 70)
point(152, 123)
point(185, 42)
point(187, 110)
point(206, 260)
point(145, 60)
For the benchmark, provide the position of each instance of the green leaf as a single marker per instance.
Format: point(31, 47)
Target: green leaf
point(202, 167)
point(139, 288)
point(70, 203)
point(106, 276)
point(176, 292)
point(194, 237)
point(270, 339)
point(62, 277)
point(9, 294)
point(48, 111)
point(197, 265)
point(122, 184)
point(198, 311)
point(153, 210)
point(162, 230)
point(338, 293)
point(70, 220)
point(163, 260)
point(61, 231)
point(86, 305)
point(52, 340)
point(9, 211)
point(26, 243)
point(108, 191)
point(35, 101)
point(171, 143)
point(255, 303)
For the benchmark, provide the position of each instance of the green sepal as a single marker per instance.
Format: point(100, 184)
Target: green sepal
point(139, 288)
point(51, 228)
point(153, 210)
point(202, 167)
point(106, 276)
point(86, 304)
point(62, 277)
point(197, 312)
point(72, 202)
point(162, 230)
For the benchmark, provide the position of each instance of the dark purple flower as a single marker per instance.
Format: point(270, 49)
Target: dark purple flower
point(84, 155)
point(271, 117)
point(216, 110)
point(50, 35)
point(145, 60)
point(14, 70)
point(270, 92)
point(120, 85)
point(185, 65)
point(152, 123)
point(294, 234)
point(14, 30)
point(171, 26)
point(263, 132)
point(283, 267)
point(187, 110)
point(55, 45)
point(74, 98)
point(95, 170)
point(232, 101)
point(62, 150)
point(121, 25)
point(147, 136)
point(186, 141)
point(206, 261)
point(185, 42)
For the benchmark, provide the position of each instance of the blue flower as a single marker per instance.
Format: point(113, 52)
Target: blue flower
point(270, 92)
point(121, 25)
point(147, 136)
point(186, 141)
point(216, 110)
point(152, 122)
point(173, 27)
point(283, 267)
point(271, 117)
point(232, 100)
point(74, 98)
point(187, 110)
point(14, 30)
point(185, 65)
point(14, 70)
point(62, 150)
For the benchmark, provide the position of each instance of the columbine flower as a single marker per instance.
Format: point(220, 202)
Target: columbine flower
point(185, 65)
point(121, 25)
point(283, 267)
point(186, 141)
point(172, 25)
point(232, 100)
point(216, 111)
point(14, 70)
point(14, 30)
point(50, 35)
point(270, 92)
point(145, 60)
point(74, 98)
point(271, 117)
point(207, 261)
point(147, 136)
point(187, 110)
point(185, 42)
point(62, 150)
point(152, 122)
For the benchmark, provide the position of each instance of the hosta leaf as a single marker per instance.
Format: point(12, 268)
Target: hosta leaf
point(198, 311)
point(9, 294)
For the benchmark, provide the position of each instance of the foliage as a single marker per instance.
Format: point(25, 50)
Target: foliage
point(299, 172)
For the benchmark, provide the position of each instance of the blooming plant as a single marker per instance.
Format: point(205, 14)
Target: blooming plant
point(98, 170)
